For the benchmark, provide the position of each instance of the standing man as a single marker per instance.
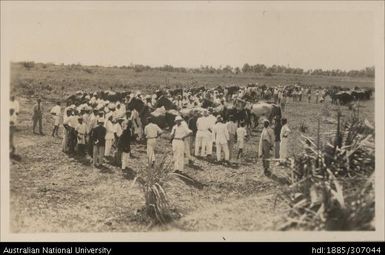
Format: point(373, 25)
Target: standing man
point(110, 137)
point(316, 96)
point(266, 143)
point(151, 131)
point(300, 94)
point(16, 109)
point(73, 122)
point(211, 120)
point(37, 116)
point(221, 137)
point(241, 134)
point(277, 134)
point(178, 133)
point(99, 142)
point(192, 125)
point(285, 131)
point(81, 132)
point(201, 136)
point(56, 111)
point(308, 95)
point(275, 95)
point(187, 144)
point(137, 123)
point(124, 146)
point(232, 129)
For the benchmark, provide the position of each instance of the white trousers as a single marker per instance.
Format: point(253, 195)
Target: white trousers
point(109, 143)
point(151, 144)
point(56, 120)
point(178, 153)
point(209, 142)
point(222, 147)
point(125, 159)
point(187, 144)
point(200, 142)
point(283, 148)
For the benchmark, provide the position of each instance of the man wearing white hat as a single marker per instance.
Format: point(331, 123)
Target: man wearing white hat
point(178, 133)
point(211, 120)
point(266, 144)
point(221, 137)
point(81, 131)
point(56, 111)
point(110, 136)
point(202, 134)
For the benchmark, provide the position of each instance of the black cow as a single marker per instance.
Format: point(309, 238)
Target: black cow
point(343, 97)
point(164, 101)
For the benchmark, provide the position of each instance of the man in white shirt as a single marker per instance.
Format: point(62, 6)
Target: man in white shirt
point(285, 131)
point(81, 131)
point(266, 144)
point(241, 134)
point(110, 136)
point(178, 133)
point(187, 144)
point(200, 139)
point(56, 112)
point(72, 138)
point(151, 131)
point(221, 136)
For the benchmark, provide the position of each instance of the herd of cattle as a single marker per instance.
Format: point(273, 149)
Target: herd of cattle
point(244, 104)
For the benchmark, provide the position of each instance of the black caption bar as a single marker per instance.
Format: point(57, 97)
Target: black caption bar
point(193, 248)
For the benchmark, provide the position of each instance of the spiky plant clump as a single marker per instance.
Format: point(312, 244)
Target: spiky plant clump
point(333, 186)
point(157, 206)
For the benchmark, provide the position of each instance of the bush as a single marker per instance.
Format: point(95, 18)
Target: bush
point(29, 65)
point(268, 74)
point(87, 70)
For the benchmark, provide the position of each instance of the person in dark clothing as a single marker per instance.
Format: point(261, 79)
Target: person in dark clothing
point(37, 117)
point(124, 143)
point(99, 143)
point(277, 134)
point(192, 125)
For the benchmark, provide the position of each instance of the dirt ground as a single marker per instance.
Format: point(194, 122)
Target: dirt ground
point(51, 192)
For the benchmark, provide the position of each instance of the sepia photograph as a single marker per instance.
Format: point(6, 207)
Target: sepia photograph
point(178, 117)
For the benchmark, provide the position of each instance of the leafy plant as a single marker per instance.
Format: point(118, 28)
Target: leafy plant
point(332, 188)
point(157, 206)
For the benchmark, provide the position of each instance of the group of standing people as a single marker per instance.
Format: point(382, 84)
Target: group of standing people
point(106, 136)
point(274, 140)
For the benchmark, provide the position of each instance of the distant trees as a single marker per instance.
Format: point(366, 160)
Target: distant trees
point(246, 68)
point(280, 69)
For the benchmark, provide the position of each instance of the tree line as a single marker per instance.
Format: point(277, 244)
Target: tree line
point(246, 68)
point(260, 69)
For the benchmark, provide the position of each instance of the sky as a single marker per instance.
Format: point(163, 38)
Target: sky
point(190, 34)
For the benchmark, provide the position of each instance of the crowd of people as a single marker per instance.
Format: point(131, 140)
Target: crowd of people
point(103, 132)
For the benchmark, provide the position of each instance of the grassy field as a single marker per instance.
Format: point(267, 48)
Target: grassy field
point(55, 81)
point(53, 193)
